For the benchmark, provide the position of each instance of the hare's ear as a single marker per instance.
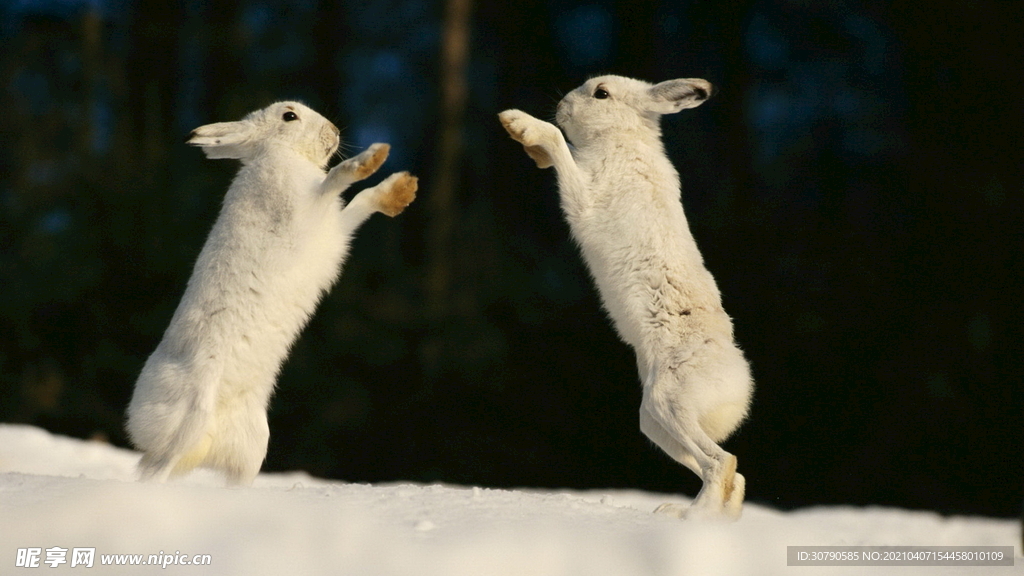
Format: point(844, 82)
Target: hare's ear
point(223, 139)
point(674, 95)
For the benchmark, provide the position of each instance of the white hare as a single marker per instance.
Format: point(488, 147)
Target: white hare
point(620, 195)
point(277, 246)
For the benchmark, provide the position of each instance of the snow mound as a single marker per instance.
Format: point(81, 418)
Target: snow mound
point(68, 493)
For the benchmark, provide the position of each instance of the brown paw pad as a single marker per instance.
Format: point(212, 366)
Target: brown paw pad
point(515, 129)
point(378, 153)
point(400, 195)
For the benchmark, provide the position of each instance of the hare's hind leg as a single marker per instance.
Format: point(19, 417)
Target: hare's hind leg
point(170, 420)
point(668, 444)
point(184, 452)
point(666, 422)
point(656, 433)
point(155, 467)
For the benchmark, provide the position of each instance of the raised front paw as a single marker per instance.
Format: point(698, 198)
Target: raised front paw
point(522, 127)
point(535, 135)
point(396, 192)
point(355, 169)
point(367, 162)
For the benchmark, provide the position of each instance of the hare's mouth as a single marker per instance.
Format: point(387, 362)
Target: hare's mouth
point(330, 138)
point(562, 115)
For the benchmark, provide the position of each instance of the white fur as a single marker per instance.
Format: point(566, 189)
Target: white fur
point(620, 195)
point(276, 248)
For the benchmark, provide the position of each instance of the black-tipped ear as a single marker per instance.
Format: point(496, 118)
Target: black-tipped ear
point(675, 95)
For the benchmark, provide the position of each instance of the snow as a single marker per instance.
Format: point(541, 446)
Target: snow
point(63, 492)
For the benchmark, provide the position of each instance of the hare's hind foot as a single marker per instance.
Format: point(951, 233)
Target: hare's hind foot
point(397, 192)
point(671, 509)
point(692, 512)
point(734, 500)
point(721, 497)
point(695, 511)
point(722, 493)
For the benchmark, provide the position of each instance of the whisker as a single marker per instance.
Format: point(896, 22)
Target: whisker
point(344, 150)
point(555, 99)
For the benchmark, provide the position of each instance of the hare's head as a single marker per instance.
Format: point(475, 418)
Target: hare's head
point(289, 125)
point(614, 104)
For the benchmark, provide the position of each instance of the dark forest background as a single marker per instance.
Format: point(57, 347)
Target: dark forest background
point(855, 188)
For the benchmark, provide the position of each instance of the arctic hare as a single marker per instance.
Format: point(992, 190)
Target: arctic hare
point(277, 246)
point(620, 195)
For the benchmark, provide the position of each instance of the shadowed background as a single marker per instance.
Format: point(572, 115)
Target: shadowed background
point(854, 188)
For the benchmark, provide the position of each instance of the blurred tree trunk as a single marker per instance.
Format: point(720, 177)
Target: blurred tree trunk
point(441, 201)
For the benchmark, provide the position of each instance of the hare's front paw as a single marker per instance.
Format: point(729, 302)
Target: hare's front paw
point(396, 192)
point(535, 135)
point(526, 129)
point(354, 169)
point(367, 162)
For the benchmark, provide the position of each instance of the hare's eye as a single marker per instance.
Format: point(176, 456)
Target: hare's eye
point(600, 93)
point(289, 116)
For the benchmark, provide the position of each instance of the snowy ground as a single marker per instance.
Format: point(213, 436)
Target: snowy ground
point(62, 492)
